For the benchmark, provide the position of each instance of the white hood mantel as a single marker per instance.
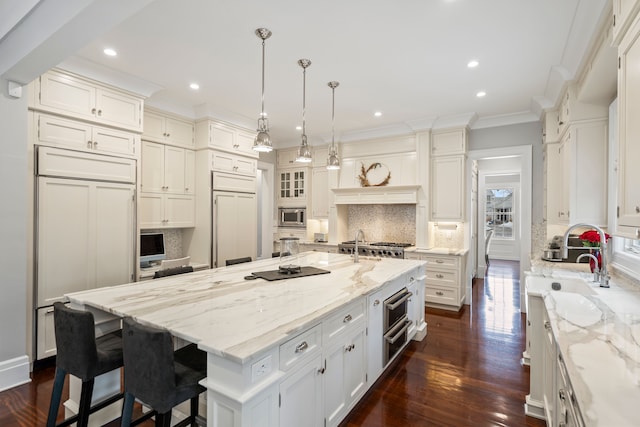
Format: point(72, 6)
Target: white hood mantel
point(397, 194)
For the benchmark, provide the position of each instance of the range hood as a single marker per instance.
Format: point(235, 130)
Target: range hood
point(397, 194)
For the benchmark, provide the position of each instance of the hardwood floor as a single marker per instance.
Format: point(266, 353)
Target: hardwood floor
point(466, 372)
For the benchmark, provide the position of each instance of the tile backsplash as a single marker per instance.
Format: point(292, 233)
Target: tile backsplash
point(383, 223)
point(447, 237)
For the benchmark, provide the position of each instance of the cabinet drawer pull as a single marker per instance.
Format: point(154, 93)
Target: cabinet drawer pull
point(89, 144)
point(93, 111)
point(376, 302)
point(411, 279)
point(547, 325)
point(439, 261)
point(561, 394)
point(95, 145)
point(347, 318)
point(100, 112)
point(302, 347)
point(439, 276)
point(439, 293)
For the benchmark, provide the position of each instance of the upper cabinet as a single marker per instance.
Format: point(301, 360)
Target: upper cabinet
point(225, 137)
point(629, 133)
point(448, 162)
point(168, 129)
point(623, 13)
point(70, 95)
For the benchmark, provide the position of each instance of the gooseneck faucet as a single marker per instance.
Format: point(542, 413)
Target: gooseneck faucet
point(604, 275)
point(355, 250)
point(596, 270)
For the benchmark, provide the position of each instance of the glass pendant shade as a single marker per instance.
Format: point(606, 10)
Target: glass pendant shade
point(333, 161)
point(262, 142)
point(304, 152)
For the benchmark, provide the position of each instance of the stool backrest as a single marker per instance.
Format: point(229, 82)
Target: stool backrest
point(75, 341)
point(238, 260)
point(173, 271)
point(149, 371)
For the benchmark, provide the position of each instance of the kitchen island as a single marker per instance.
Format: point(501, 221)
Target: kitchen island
point(298, 351)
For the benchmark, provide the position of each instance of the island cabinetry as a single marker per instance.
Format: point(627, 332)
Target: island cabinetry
point(67, 94)
point(549, 351)
point(226, 137)
point(61, 132)
point(301, 400)
point(443, 281)
point(534, 354)
point(629, 133)
point(168, 129)
point(448, 158)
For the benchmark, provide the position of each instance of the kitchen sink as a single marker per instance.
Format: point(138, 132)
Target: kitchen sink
point(558, 284)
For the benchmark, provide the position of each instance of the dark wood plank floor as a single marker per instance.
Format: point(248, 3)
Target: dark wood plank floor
point(466, 372)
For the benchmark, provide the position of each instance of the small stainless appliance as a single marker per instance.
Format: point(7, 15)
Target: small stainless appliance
point(377, 249)
point(396, 323)
point(292, 217)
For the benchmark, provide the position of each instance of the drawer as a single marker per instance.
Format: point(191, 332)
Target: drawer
point(300, 348)
point(441, 295)
point(442, 277)
point(451, 262)
point(344, 320)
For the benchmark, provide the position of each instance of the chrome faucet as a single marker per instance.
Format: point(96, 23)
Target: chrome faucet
point(604, 274)
point(355, 250)
point(596, 270)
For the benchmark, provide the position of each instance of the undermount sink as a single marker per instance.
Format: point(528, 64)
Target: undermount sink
point(558, 284)
point(576, 309)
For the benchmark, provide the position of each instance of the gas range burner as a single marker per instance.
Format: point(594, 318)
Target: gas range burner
point(377, 249)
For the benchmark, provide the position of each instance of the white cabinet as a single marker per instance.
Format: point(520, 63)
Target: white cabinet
point(225, 137)
point(449, 142)
point(415, 310)
point(536, 351)
point(286, 158)
point(629, 134)
point(301, 400)
point(447, 188)
point(444, 284)
point(320, 193)
point(623, 13)
point(66, 133)
point(227, 162)
point(554, 178)
point(293, 185)
point(168, 129)
point(66, 94)
point(548, 370)
point(167, 186)
point(235, 226)
point(375, 331)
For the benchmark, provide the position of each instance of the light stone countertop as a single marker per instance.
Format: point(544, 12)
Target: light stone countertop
point(236, 318)
point(438, 251)
point(598, 335)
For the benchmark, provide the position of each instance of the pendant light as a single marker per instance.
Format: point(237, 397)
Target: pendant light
point(304, 153)
point(262, 142)
point(333, 161)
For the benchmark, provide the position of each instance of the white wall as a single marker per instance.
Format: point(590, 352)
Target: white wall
point(14, 363)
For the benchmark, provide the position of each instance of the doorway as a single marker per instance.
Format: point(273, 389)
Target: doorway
point(265, 179)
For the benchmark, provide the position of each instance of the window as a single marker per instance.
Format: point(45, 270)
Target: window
point(499, 212)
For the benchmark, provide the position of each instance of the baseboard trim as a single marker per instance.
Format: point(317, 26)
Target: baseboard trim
point(14, 372)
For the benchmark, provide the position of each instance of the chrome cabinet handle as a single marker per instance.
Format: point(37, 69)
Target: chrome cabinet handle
point(321, 371)
point(439, 293)
point(349, 347)
point(302, 347)
point(95, 144)
point(89, 144)
point(439, 261)
point(547, 325)
point(562, 394)
point(93, 111)
point(347, 318)
point(376, 302)
point(637, 209)
point(100, 112)
point(439, 276)
point(411, 279)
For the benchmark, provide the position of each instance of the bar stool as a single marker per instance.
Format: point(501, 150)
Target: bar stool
point(81, 354)
point(173, 271)
point(238, 260)
point(157, 375)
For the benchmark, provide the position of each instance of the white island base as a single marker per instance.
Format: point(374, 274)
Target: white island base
point(291, 352)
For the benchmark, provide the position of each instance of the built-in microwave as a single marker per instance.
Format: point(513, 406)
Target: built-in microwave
point(292, 217)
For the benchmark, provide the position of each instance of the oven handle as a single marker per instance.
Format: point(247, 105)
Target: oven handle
point(394, 334)
point(392, 305)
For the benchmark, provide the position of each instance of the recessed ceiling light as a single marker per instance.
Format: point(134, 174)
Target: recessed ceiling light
point(481, 94)
point(298, 127)
point(473, 64)
point(110, 52)
point(194, 86)
point(377, 113)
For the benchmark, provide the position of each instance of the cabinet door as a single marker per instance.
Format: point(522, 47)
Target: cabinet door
point(356, 367)
point(446, 143)
point(554, 177)
point(375, 340)
point(67, 95)
point(246, 166)
point(223, 162)
point(65, 259)
point(222, 137)
point(301, 402)
point(179, 210)
point(447, 191)
point(179, 132)
point(189, 171)
point(154, 127)
point(235, 226)
point(114, 234)
point(335, 387)
point(46, 335)
point(63, 132)
point(320, 193)
point(151, 207)
point(152, 176)
point(244, 142)
point(118, 109)
point(174, 170)
point(629, 132)
point(114, 141)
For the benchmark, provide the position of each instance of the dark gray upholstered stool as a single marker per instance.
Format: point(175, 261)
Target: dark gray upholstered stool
point(158, 376)
point(81, 354)
point(238, 260)
point(173, 271)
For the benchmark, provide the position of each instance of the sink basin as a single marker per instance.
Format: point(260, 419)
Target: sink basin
point(537, 284)
point(577, 309)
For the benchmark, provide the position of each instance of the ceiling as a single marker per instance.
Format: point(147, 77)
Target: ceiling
point(405, 58)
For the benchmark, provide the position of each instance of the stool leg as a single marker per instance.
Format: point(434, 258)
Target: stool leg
point(163, 420)
point(127, 410)
point(85, 403)
point(56, 395)
point(194, 411)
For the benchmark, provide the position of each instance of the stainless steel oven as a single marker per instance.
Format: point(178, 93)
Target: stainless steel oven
point(396, 323)
point(292, 217)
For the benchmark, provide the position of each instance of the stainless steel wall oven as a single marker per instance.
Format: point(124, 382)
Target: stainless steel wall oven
point(396, 323)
